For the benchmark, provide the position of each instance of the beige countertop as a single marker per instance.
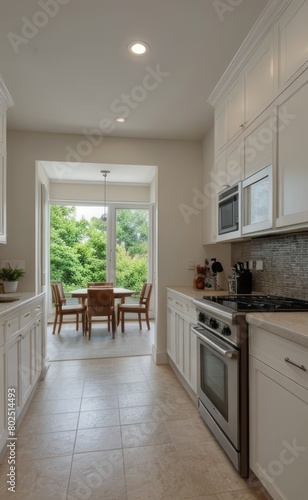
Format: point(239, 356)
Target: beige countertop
point(289, 325)
point(190, 292)
point(292, 326)
point(23, 298)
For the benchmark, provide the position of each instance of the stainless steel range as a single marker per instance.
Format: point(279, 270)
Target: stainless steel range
point(222, 388)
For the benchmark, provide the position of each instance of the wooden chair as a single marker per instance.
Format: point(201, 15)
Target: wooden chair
point(101, 303)
point(141, 308)
point(64, 310)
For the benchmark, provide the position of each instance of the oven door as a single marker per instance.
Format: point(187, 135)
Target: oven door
point(218, 382)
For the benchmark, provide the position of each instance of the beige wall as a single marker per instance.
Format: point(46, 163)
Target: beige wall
point(94, 192)
point(179, 171)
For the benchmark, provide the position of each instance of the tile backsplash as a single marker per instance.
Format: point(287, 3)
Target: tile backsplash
point(285, 263)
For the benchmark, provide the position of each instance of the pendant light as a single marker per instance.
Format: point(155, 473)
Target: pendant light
point(104, 216)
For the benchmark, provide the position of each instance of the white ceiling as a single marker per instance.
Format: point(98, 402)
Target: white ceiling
point(74, 71)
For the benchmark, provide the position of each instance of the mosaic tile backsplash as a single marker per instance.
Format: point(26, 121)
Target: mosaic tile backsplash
point(285, 263)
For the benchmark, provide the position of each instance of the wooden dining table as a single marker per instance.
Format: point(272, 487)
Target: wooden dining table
point(119, 293)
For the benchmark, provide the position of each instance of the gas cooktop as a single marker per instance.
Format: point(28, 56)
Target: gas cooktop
point(263, 303)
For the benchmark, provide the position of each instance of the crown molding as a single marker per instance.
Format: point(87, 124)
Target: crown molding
point(263, 25)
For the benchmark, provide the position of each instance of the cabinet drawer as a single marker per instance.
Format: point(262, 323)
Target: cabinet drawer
point(28, 316)
point(12, 326)
point(182, 305)
point(280, 354)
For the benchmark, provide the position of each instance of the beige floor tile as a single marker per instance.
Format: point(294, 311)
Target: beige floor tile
point(159, 481)
point(96, 390)
point(38, 479)
point(98, 475)
point(137, 399)
point(98, 418)
point(40, 424)
point(156, 413)
point(134, 458)
point(133, 387)
point(51, 444)
point(144, 434)
point(65, 393)
point(54, 406)
point(99, 439)
point(188, 430)
point(101, 403)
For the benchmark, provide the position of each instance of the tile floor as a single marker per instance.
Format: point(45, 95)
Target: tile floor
point(73, 345)
point(118, 429)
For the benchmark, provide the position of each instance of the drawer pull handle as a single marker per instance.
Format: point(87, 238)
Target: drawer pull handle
point(26, 315)
point(301, 367)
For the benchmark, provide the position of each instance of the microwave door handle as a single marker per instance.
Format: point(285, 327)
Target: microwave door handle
point(226, 353)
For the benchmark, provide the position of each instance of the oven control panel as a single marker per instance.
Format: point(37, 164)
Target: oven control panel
point(214, 324)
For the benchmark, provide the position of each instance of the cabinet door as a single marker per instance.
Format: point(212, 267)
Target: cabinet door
point(190, 357)
point(293, 39)
point(12, 371)
point(171, 345)
point(259, 143)
point(221, 137)
point(229, 166)
point(278, 432)
point(3, 399)
point(259, 84)
point(235, 109)
point(292, 113)
point(25, 368)
point(36, 346)
point(2, 197)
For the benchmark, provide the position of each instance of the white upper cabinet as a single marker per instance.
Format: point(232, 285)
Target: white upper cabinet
point(260, 81)
point(229, 116)
point(293, 40)
point(259, 143)
point(292, 153)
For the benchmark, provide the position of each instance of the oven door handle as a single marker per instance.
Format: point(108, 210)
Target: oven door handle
point(226, 353)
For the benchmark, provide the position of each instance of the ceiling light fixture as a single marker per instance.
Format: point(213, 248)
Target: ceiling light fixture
point(105, 212)
point(139, 48)
point(120, 119)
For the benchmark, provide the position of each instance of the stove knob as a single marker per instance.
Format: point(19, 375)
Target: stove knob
point(214, 324)
point(202, 317)
point(226, 331)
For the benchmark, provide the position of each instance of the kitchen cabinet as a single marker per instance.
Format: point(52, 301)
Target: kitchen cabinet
point(2, 387)
point(292, 158)
point(229, 166)
point(293, 40)
point(259, 142)
point(251, 91)
point(181, 341)
point(229, 115)
point(21, 343)
point(260, 78)
point(278, 394)
point(5, 102)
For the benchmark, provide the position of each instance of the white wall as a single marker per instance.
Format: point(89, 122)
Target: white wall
point(179, 171)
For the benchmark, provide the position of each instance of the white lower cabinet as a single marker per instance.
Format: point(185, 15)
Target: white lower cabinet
point(20, 359)
point(278, 415)
point(181, 341)
point(2, 398)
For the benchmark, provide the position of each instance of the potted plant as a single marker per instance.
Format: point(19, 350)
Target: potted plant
point(10, 277)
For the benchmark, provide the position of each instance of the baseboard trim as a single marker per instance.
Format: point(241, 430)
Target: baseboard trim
point(160, 358)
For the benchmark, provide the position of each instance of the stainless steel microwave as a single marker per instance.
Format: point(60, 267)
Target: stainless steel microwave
point(229, 210)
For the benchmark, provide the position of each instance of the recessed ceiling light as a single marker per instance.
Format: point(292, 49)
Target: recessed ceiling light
point(139, 48)
point(120, 119)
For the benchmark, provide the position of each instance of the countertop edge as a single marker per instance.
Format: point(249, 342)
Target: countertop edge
point(288, 325)
point(25, 298)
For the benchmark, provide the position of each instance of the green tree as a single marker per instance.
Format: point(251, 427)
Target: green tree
point(78, 248)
